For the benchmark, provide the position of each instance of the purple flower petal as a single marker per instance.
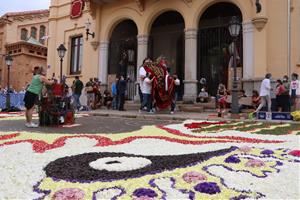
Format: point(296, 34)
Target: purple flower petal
point(267, 152)
point(232, 159)
point(144, 192)
point(207, 188)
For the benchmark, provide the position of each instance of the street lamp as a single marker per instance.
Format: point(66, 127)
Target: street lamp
point(234, 30)
point(61, 53)
point(87, 28)
point(8, 61)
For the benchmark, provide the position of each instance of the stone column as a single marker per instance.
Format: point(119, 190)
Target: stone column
point(190, 77)
point(103, 62)
point(248, 56)
point(142, 53)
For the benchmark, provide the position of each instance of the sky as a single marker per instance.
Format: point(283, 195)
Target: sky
point(22, 5)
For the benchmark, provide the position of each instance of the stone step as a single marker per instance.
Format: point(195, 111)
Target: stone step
point(197, 107)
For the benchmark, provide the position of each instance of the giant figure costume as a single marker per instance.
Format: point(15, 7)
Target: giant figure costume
point(163, 84)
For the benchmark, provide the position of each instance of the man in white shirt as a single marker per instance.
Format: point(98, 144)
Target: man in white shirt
point(265, 93)
point(142, 76)
point(146, 90)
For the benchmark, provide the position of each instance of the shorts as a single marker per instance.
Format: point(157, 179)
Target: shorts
point(30, 99)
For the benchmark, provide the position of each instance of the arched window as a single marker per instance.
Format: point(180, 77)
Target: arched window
point(33, 32)
point(24, 33)
point(42, 34)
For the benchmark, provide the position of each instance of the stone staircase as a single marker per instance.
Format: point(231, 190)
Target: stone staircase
point(180, 106)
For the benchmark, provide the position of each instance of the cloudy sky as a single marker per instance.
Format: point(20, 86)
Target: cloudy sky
point(22, 5)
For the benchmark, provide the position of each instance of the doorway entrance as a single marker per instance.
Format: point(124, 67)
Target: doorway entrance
point(167, 40)
point(214, 44)
point(122, 54)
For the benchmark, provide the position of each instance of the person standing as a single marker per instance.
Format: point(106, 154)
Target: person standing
point(142, 76)
point(32, 94)
point(147, 89)
point(265, 94)
point(121, 88)
point(176, 91)
point(280, 89)
point(114, 94)
point(77, 89)
point(286, 94)
point(221, 99)
point(295, 92)
point(90, 97)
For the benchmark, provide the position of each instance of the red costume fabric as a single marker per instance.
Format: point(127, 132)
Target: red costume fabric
point(161, 95)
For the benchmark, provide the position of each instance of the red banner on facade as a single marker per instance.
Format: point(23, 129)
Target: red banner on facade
point(77, 8)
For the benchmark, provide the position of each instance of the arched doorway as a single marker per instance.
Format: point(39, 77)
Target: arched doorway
point(167, 39)
point(122, 54)
point(214, 44)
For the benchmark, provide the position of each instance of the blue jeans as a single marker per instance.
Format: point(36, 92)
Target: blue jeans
point(147, 101)
point(77, 103)
point(115, 103)
point(173, 104)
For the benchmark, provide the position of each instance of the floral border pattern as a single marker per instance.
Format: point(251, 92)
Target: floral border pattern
point(174, 161)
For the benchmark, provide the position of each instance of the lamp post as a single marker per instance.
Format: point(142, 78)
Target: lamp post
point(8, 61)
point(61, 53)
point(87, 28)
point(234, 30)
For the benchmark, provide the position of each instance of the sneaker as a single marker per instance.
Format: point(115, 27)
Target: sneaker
point(172, 112)
point(27, 125)
point(31, 125)
point(151, 112)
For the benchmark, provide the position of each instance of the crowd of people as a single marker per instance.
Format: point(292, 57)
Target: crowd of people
point(286, 93)
point(286, 96)
point(113, 99)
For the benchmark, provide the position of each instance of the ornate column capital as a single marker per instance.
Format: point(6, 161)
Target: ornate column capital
point(104, 45)
point(248, 27)
point(142, 39)
point(191, 33)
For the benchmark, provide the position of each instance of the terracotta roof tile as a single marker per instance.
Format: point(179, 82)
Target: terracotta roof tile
point(32, 12)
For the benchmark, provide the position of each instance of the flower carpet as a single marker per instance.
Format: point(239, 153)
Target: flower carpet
point(189, 160)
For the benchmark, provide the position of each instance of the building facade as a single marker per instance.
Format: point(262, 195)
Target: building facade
point(191, 34)
point(24, 36)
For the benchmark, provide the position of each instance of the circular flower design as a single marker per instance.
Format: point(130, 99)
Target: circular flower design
point(208, 188)
point(267, 152)
point(144, 193)
point(255, 163)
point(68, 194)
point(120, 163)
point(191, 177)
point(232, 159)
point(245, 149)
